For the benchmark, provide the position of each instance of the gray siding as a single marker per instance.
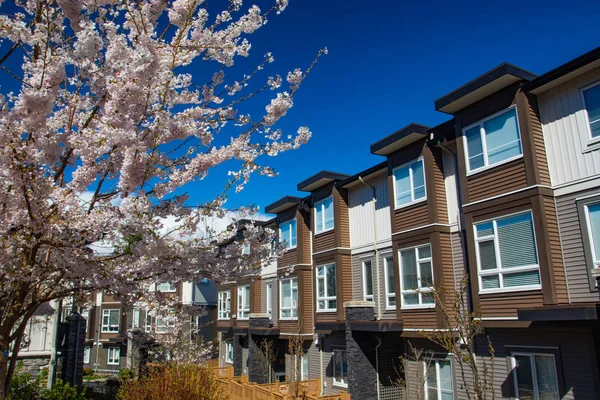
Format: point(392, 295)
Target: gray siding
point(378, 279)
point(245, 360)
point(360, 203)
point(330, 342)
point(570, 227)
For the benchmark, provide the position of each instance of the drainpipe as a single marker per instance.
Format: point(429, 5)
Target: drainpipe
point(54, 344)
point(377, 362)
point(321, 362)
point(377, 272)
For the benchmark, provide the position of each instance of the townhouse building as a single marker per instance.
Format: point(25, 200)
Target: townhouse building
point(507, 191)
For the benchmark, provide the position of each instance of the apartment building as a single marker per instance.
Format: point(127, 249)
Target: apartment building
point(507, 191)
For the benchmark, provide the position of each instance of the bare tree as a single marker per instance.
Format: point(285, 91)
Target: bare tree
point(296, 352)
point(265, 357)
point(413, 373)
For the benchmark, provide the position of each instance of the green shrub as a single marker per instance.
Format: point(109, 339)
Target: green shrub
point(24, 386)
point(125, 374)
point(88, 372)
point(63, 391)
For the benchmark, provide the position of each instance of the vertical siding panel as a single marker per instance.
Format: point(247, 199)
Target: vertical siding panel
point(360, 202)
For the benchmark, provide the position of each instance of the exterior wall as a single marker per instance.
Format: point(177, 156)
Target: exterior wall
point(360, 201)
point(329, 342)
point(566, 131)
point(378, 280)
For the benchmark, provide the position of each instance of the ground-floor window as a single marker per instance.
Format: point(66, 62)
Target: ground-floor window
point(86, 354)
point(535, 376)
point(304, 368)
point(438, 385)
point(340, 368)
point(114, 353)
point(229, 352)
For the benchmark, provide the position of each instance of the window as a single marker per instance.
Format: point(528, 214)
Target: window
point(86, 314)
point(110, 320)
point(535, 376)
point(409, 183)
point(304, 368)
point(287, 234)
point(324, 215)
point(135, 320)
point(164, 321)
point(224, 304)
point(246, 249)
point(243, 302)
point(416, 277)
point(326, 298)
point(438, 385)
point(367, 280)
point(87, 351)
point(507, 254)
point(166, 287)
point(269, 295)
point(390, 289)
point(288, 307)
point(148, 322)
point(591, 103)
point(592, 215)
point(340, 368)
point(229, 352)
point(492, 140)
point(114, 353)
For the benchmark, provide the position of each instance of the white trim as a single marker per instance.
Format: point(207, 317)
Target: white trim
point(227, 344)
point(506, 194)
point(111, 302)
point(423, 227)
point(533, 370)
point(363, 263)
point(578, 185)
point(586, 210)
point(116, 350)
point(419, 290)
point(370, 247)
point(106, 328)
point(227, 301)
point(269, 298)
point(328, 296)
point(484, 149)
point(341, 383)
point(321, 203)
point(497, 318)
point(325, 251)
point(591, 140)
point(387, 294)
point(292, 307)
point(290, 247)
point(436, 361)
point(532, 347)
point(242, 294)
point(410, 178)
point(295, 333)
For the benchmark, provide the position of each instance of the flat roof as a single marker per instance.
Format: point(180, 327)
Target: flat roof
point(282, 204)
point(495, 79)
point(319, 179)
point(401, 138)
point(363, 174)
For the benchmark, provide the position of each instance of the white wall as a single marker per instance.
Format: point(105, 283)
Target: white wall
point(360, 199)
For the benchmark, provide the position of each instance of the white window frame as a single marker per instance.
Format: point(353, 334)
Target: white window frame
point(435, 361)
point(148, 322)
point(412, 185)
point(86, 314)
point(388, 295)
point(293, 307)
point(107, 327)
point(228, 347)
point(114, 356)
point(160, 326)
point(87, 352)
point(486, 163)
point(246, 249)
point(288, 240)
point(420, 290)
point(224, 305)
point(328, 296)
point(304, 368)
point(531, 355)
point(591, 139)
point(590, 233)
point(242, 292)
point(135, 318)
point(171, 289)
point(320, 207)
point(499, 270)
point(341, 383)
point(367, 297)
point(269, 298)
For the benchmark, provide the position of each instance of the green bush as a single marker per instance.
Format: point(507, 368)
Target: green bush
point(125, 374)
point(24, 386)
point(63, 391)
point(88, 372)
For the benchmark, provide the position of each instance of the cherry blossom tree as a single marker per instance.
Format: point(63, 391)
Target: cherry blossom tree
point(108, 109)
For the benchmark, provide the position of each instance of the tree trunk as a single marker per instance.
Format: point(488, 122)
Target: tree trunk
point(3, 364)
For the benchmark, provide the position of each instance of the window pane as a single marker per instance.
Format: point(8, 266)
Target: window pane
point(517, 244)
point(418, 179)
point(426, 274)
point(524, 377)
point(328, 213)
point(368, 278)
point(592, 104)
point(321, 287)
point(485, 229)
point(389, 262)
point(411, 299)
point(319, 216)
point(424, 252)
point(409, 270)
point(427, 298)
point(474, 147)
point(330, 280)
point(293, 232)
point(403, 191)
point(285, 294)
point(487, 255)
point(594, 212)
point(331, 304)
point(546, 377)
point(432, 382)
point(502, 137)
point(445, 375)
point(490, 282)
point(522, 279)
point(392, 301)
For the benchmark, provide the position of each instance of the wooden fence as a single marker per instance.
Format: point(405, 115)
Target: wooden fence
point(238, 388)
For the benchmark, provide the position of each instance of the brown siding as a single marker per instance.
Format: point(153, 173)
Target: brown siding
point(289, 258)
point(305, 300)
point(342, 225)
point(411, 217)
point(256, 296)
point(506, 304)
point(421, 319)
point(538, 141)
point(324, 241)
point(304, 237)
point(343, 276)
point(441, 204)
point(554, 247)
point(448, 274)
point(498, 180)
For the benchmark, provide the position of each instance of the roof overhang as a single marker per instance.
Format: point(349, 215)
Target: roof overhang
point(376, 326)
point(282, 204)
point(584, 312)
point(492, 81)
point(366, 174)
point(401, 138)
point(320, 179)
point(566, 72)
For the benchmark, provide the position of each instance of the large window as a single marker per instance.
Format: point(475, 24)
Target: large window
point(269, 295)
point(135, 319)
point(304, 367)
point(165, 321)
point(592, 215)
point(288, 306)
point(324, 215)
point(110, 320)
point(591, 102)
point(390, 285)
point(287, 234)
point(493, 140)
point(507, 254)
point(409, 183)
point(229, 352)
point(535, 376)
point(166, 287)
point(148, 321)
point(438, 385)
point(86, 314)
point(416, 277)
point(87, 351)
point(367, 270)
point(243, 302)
point(340, 368)
point(326, 299)
point(114, 353)
point(224, 304)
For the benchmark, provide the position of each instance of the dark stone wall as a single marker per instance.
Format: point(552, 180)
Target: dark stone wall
point(72, 366)
point(238, 368)
point(362, 374)
point(255, 370)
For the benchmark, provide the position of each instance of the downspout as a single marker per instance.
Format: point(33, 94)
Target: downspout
point(377, 290)
point(377, 363)
point(321, 362)
point(54, 344)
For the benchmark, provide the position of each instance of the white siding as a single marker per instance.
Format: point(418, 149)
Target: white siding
point(449, 161)
point(360, 199)
point(39, 335)
point(566, 131)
